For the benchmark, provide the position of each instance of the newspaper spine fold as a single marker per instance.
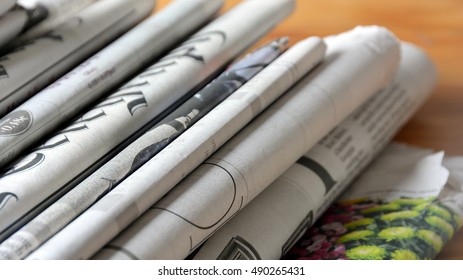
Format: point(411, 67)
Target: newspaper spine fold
point(357, 64)
point(274, 220)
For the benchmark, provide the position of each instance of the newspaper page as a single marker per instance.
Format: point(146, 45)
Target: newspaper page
point(193, 146)
point(73, 149)
point(28, 68)
point(397, 209)
point(55, 217)
point(58, 11)
point(11, 24)
point(452, 194)
point(44, 112)
point(19, 19)
point(6, 5)
point(267, 146)
point(273, 221)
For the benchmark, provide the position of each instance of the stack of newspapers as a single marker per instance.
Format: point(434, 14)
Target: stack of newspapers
point(128, 134)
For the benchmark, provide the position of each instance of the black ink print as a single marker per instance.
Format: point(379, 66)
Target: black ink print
point(27, 163)
point(328, 181)
point(3, 72)
point(136, 100)
point(4, 197)
point(15, 123)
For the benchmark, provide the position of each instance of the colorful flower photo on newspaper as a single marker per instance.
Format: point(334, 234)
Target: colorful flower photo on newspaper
point(403, 206)
point(367, 229)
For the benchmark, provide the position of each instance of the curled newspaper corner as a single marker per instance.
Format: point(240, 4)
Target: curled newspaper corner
point(276, 218)
point(263, 150)
point(403, 206)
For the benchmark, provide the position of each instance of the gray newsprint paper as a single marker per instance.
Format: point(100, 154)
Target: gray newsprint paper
point(5, 5)
point(28, 68)
point(63, 99)
point(357, 64)
point(73, 149)
point(452, 194)
point(171, 164)
point(268, 226)
point(18, 20)
point(58, 11)
point(105, 178)
point(11, 24)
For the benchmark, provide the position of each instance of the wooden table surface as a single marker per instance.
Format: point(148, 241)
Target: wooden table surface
point(434, 25)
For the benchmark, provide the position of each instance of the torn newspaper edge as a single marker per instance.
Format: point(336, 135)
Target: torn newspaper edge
point(351, 72)
point(276, 218)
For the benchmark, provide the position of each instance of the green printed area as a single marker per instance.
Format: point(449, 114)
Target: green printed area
point(367, 229)
point(431, 238)
point(355, 235)
point(407, 214)
point(394, 233)
point(404, 228)
point(404, 255)
point(366, 253)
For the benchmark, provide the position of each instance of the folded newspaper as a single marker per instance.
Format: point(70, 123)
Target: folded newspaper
point(268, 227)
point(106, 178)
point(64, 99)
point(74, 151)
point(28, 68)
point(411, 218)
point(188, 150)
point(35, 17)
point(352, 71)
point(401, 207)
point(18, 20)
point(58, 11)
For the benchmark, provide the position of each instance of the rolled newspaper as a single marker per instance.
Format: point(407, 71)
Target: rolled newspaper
point(63, 99)
point(276, 218)
point(74, 149)
point(357, 64)
point(185, 153)
point(58, 11)
point(27, 69)
point(67, 208)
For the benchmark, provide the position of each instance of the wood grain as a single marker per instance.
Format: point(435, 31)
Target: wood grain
point(434, 25)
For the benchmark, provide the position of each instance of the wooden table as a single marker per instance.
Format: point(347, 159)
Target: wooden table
point(434, 25)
